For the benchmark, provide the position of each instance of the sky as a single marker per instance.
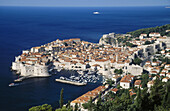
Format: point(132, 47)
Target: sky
point(84, 3)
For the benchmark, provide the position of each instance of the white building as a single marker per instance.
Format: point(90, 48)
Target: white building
point(165, 79)
point(142, 36)
point(34, 70)
point(135, 70)
point(126, 81)
point(150, 84)
point(38, 49)
point(154, 34)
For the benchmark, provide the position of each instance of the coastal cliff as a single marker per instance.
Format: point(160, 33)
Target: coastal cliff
point(114, 39)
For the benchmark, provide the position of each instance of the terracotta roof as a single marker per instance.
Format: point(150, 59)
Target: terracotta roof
point(132, 93)
point(137, 82)
point(114, 90)
point(96, 65)
point(127, 78)
point(101, 60)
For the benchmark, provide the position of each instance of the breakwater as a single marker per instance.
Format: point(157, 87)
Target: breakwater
point(70, 82)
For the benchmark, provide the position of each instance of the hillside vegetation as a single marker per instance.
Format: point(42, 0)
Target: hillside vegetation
point(160, 29)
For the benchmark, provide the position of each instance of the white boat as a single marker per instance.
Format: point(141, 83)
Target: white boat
point(91, 72)
point(71, 77)
point(13, 84)
point(94, 81)
point(62, 78)
point(59, 69)
point(96, 13)
point(80, 72)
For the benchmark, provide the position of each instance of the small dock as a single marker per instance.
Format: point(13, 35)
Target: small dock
point(70, 82)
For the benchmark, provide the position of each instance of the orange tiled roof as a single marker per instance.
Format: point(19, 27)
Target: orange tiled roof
point(127, 78)
point(114, 90)
point(137, 82)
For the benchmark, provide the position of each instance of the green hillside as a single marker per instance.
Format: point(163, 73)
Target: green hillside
point(160, 29)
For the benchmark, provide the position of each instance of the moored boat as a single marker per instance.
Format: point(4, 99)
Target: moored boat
point(13, 84)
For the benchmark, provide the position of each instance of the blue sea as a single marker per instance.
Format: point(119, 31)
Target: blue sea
point(24, 27)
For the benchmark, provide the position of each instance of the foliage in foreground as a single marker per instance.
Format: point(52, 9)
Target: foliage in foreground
point(44, 107)
point(157, 100)
point(64, 108)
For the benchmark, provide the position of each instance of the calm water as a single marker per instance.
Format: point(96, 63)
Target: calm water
point(25, 27)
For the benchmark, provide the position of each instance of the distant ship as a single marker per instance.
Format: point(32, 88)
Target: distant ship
point(96, 13)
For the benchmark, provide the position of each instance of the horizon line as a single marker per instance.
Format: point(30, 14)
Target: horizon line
point(82, 6)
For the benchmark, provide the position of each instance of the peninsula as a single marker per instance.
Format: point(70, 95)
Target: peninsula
point(138, 60)
point(104, 57)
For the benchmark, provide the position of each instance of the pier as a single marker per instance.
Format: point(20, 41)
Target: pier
point(70, 82)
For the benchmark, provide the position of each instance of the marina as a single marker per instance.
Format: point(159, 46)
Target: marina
point(91, 77)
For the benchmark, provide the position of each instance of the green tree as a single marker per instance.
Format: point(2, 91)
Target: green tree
point(145, 99)
point(76, 107)
point(147, 43)
point(118, 71)
point(64, 109)
point(157, 91)
point(145, 79)
point(166, 96)
point(161, 108)
point(130, 44)
point(138, 101)
point(35, 108)
point(137, 61)
point(90, 105)
point(44, 107)
point(98, 106)
point(110, 82)
point(68, 105)
point(61, 98)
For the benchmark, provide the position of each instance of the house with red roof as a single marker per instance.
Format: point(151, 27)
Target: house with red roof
point(126, 81)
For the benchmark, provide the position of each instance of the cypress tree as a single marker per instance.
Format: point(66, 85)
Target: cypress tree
point(68, 104)
point(138, 100)
point(61, 98)
point(76, 107)
point(99, 103)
